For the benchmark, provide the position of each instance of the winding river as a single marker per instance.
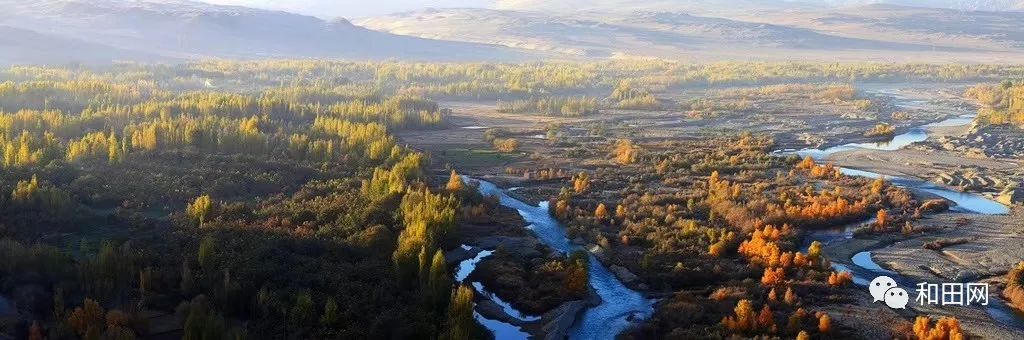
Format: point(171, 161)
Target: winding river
point(863, 267)
point(619, 304)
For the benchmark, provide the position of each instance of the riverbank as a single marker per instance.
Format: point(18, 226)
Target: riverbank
point(501, 317)
point(992, 247)
point(979, 243)
point(609, 308)
point(971, 172)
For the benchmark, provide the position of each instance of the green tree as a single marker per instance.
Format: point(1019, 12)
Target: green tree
point(187, 278)
point(440, 281)
point(207, 247)
point(88, 318)
point(577, 276)
point(460, 323)
point(331, 315)
point(427, 218)
point(303, 312)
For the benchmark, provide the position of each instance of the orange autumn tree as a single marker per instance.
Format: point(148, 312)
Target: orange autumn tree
point(1015, 286)
point(825, 171)
point(877, 186)
point(766, 319)
point(840, 279)
point(883, 219)
point(601, 212)
point(744, 320)
point(824, 323)
point(773, 277)
point(581, 182)
point(808, 163)
point(946, 328)
point(620, 211)
point(812, 207)
point(762, 249)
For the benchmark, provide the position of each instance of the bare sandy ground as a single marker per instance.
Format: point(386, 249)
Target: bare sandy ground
point(994, 246)
point(913, 162)
point(926, 163)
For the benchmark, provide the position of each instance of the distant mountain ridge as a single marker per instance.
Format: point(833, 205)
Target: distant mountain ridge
point(20, 46)
point(968, 5)
point(188, 29)
point(94, 31)
point(886, 33)
point(731, 5)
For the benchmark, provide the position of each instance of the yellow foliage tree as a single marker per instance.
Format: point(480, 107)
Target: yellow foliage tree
point(455, 183)
point(624, 152)
point(744, 320)
point(200, 209)
point(789, 298)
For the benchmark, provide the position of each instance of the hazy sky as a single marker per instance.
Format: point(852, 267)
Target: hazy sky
point(351, 8)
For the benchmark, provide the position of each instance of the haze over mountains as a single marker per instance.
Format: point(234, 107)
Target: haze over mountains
point(733, 5)
point(96, 31)
point(178, 29)
point(715, 31)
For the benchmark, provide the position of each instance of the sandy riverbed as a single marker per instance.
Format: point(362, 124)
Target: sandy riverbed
point(994, 246)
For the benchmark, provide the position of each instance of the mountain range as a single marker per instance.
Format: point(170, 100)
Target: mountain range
point(179, 30)
point(566, 6)
point(98, 31)
point(884, 33)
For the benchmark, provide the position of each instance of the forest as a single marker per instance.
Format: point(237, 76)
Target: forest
point(1003, 104)
point(276, 199)
point(286, 212)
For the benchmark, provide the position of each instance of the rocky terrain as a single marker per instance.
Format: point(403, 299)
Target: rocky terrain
point(987, 248)
point(990, 141)
point(1005, 184)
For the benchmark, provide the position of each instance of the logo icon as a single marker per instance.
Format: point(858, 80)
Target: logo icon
point(883, 288)
point(897, 298)
point(879, 285)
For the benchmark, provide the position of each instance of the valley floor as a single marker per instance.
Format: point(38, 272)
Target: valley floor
point(992, 241)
